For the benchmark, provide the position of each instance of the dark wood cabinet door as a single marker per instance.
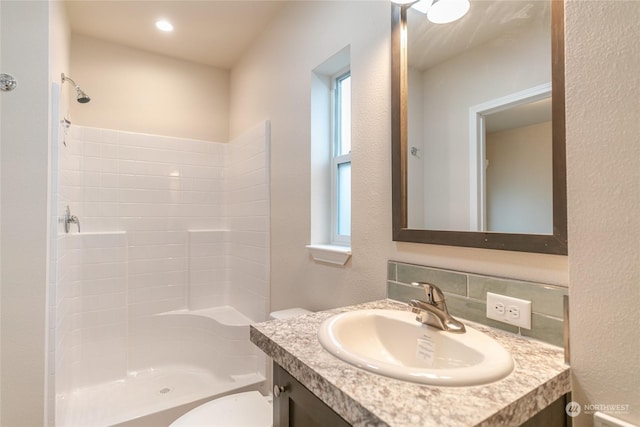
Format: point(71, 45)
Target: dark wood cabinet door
point(298, 407)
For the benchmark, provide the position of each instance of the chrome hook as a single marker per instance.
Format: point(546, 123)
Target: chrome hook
point(7, 82)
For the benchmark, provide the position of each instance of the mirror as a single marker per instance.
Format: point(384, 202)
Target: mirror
point(478, 138)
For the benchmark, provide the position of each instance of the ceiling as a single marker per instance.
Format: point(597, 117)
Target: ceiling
point(211, 32)
point(525, 114)
point(430, 44)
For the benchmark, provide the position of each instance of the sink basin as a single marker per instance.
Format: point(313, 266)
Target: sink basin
point(392, 343)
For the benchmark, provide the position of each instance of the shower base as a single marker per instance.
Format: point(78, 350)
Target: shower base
point(153, 397)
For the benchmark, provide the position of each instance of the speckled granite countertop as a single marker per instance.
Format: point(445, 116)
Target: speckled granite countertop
point(365, 399)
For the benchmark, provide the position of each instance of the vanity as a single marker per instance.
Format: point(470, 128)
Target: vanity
point(309, 380)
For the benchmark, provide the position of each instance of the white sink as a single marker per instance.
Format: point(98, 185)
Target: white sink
point(392, 343)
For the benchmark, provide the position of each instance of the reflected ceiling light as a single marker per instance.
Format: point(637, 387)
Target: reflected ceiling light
point(163, 25)
point(445, 11)
point(423, 6)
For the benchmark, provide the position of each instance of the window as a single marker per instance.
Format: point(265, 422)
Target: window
point(341, 159)
point(330, 233)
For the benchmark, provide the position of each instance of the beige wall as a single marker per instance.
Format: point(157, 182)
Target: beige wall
point(272, 82)
point(603, 89)
point(24, 132)
point(138, 91)
point(601, 161)
point(520, 170)
point(281, 93)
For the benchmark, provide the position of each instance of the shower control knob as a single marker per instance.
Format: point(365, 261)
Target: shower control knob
point(277, 390)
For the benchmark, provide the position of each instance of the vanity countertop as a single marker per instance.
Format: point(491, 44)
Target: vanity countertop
point(365, 399)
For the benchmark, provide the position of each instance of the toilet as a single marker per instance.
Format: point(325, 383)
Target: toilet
point(249, 408)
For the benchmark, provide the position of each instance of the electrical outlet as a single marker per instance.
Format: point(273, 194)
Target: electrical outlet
point(509, 310)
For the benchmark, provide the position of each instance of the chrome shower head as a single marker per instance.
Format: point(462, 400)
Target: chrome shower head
point(81, 96)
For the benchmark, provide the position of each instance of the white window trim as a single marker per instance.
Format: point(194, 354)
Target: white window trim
point(332, 254)
point(321, 247)
point(336, 161)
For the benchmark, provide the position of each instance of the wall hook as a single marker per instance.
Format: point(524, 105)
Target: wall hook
point(7, 82)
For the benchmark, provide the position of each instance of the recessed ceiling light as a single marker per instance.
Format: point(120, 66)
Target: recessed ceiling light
point(163, 25)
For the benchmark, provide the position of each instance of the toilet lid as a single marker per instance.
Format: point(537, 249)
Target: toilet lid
point(248, 409)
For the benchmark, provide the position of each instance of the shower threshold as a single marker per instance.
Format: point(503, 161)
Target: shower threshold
point(161, 394)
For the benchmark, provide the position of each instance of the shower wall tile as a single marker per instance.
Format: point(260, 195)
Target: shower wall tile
point(139, 182)
point(94, 322)
point(247, 203)
point(208, 268)
point(156, 214)
point(157, 272)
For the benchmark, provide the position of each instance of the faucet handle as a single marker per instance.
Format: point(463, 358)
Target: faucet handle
point(434, 294)
point(69, 219)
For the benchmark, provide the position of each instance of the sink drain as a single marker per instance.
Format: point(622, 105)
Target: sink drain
point(165, 390)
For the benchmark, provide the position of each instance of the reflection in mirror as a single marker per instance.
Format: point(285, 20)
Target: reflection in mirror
point(517, 173)
point(479, 127)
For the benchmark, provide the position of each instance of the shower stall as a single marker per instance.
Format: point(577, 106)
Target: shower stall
point(152, 296)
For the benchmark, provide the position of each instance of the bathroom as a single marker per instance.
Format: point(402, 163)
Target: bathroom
point(602, 184)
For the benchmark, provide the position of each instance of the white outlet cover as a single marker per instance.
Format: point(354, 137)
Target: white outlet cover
point(524, 306)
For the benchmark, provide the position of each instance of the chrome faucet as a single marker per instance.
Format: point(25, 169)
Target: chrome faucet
point(433, 311)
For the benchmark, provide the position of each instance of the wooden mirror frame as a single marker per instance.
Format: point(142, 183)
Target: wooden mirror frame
point(555, 243)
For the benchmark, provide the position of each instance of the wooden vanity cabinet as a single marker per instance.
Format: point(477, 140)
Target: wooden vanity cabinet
point(296, 406)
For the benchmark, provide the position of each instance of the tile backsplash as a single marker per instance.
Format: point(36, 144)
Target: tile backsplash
point(466, 296)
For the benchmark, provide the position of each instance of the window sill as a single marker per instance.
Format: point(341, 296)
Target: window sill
point(331, 254)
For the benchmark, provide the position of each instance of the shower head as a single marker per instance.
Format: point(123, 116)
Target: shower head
point(81, 96)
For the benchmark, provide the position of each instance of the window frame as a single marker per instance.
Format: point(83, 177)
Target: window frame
point(338, 159)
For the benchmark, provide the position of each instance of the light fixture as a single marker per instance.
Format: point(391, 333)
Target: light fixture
point(164, 25)
point(422, 6)
point(446, 11)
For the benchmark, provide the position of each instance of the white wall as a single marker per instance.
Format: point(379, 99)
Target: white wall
point(603, 88)
point(59, 44)
point(415, 138)
point(138, 91)
point(247, 203)
point(501, 67)
point(25, 135)
point(274, 81)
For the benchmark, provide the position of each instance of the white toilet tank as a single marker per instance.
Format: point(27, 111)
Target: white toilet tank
point(289, 312)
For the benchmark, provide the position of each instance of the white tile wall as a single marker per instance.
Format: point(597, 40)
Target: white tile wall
point(140, 182)
point(92, 303)
point(208, 268)
point(167, 224)
point(247, 202)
